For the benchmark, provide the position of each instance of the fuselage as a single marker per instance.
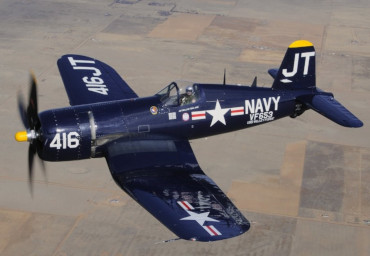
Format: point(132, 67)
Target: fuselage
point(80, 132)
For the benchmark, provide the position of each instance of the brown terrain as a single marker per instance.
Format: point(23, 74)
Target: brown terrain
point(303, 183)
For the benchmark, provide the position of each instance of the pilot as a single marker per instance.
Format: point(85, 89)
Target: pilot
point(188, 97)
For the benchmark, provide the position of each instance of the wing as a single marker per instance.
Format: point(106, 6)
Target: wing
point(90, 81)
point(164, 177)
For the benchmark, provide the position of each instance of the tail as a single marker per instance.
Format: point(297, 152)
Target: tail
point(298, 72)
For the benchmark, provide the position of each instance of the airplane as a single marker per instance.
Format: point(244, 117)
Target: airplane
point(145, 141)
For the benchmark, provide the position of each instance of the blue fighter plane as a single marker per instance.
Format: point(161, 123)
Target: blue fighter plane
point(145, 141)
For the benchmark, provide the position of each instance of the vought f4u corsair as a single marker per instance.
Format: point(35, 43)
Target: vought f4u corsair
point(145, 141)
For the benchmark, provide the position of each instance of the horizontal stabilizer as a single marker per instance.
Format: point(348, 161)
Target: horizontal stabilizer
point(327, 106)
point(273, 72)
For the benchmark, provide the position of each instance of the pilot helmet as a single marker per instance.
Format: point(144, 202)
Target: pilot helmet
point(189, 89)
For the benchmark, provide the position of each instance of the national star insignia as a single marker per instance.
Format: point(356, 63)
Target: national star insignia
point(218, 114)
point(199, 217)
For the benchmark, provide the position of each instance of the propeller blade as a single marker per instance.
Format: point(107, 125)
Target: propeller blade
point(31, 156)
point(32, 110)
point(39, 149)
point(22, 111)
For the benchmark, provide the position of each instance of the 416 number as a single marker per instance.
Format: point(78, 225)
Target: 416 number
point(65, 140)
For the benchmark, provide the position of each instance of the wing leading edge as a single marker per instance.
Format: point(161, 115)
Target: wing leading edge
point(164, 177)
point(88, 80)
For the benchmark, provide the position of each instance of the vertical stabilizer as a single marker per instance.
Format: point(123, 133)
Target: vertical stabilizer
point(297, 71)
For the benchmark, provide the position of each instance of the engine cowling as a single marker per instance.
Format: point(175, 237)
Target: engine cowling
point(65, 135)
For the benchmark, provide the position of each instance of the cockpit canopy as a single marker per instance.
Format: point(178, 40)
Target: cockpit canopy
point(179, 93)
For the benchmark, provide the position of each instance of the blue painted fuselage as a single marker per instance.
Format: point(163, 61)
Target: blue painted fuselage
point(217, 109)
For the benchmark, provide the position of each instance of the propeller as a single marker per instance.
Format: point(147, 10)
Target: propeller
point(31, 122)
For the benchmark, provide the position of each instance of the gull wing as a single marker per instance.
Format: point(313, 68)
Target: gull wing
point(164, 177)
point(88, 80)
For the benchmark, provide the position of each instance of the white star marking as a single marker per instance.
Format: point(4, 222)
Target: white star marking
point(199, 217)
point(218, 114)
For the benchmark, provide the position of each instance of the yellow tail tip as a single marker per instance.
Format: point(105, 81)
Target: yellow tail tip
point(300, 43)
point(21, 136)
